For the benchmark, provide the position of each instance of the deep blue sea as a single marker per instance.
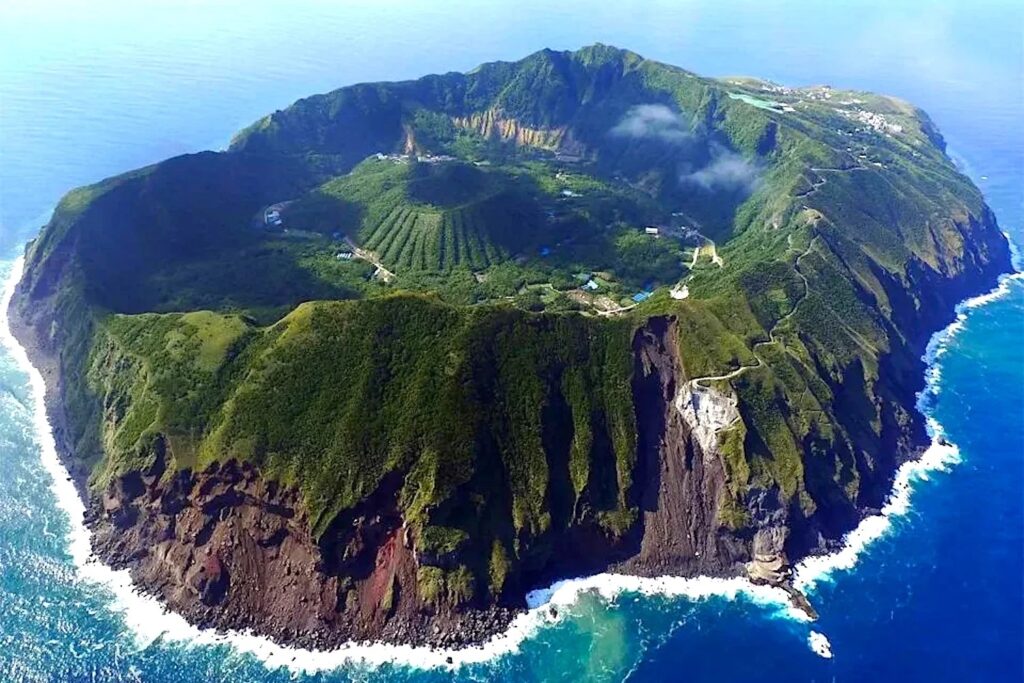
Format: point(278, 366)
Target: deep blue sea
point(89, 89)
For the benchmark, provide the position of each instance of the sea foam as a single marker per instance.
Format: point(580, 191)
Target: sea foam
point(148, 620)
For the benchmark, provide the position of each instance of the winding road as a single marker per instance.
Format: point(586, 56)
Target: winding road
point(699, 381)
point(817, 185)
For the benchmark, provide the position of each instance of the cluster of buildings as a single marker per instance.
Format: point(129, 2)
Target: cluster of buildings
point(422, 158)
point(875, 121)
point(591, 285)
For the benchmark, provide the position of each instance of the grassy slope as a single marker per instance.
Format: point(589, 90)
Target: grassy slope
point(426, 220)
point(337, 395)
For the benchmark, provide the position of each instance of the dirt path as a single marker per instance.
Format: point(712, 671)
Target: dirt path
point(715, 258)
point(617, 311)
point(386, 274)
point(696, 255)
point(807, 290)
point(822, 180)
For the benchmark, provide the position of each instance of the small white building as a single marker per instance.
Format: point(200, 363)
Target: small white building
point(590, 286)
point(651, 230)
point(344, 256)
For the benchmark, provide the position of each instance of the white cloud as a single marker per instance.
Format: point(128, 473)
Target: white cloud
point(652, 121)
point(727, 170)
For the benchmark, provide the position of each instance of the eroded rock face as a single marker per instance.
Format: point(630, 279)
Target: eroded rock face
point(681, 476)
point(493, 123)
point(769, 563)
point(221, 538)
point(227, 548)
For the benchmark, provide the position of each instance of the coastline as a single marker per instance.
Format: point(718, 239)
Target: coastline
point(148, 619)
point(940, 456)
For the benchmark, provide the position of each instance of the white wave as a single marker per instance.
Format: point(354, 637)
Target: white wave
point(938, 457)
point(819, 644)
point(610, 586)
point(1016, 256)
point(62, 486)
point(148, 620)
point(1001, 290)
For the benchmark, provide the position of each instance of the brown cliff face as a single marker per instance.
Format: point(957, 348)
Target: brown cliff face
point(229, 549)
point(680, 486)
point(495, 124)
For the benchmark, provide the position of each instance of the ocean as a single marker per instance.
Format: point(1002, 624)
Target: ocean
point(932, 591)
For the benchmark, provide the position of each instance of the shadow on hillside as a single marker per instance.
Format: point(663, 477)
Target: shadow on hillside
point(180, 236)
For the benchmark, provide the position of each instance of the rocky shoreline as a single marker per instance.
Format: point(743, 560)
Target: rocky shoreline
point(121, 551)
point(197, 529)
point(46, 363)
point(174, 539)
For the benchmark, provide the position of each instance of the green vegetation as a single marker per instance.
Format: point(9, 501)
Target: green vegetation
point(453, 587)
point(337, 395)
point(181, 367)
point(474, 369)
point(426, 218)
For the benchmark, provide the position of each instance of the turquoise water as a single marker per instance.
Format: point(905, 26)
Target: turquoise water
point(91, 90)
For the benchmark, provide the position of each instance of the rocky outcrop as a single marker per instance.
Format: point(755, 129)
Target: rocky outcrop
point(706, 411)
point(494, 124)
point(682, 477)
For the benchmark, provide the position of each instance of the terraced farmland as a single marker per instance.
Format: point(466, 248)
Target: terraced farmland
point(415, 237)
point(428, 216)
